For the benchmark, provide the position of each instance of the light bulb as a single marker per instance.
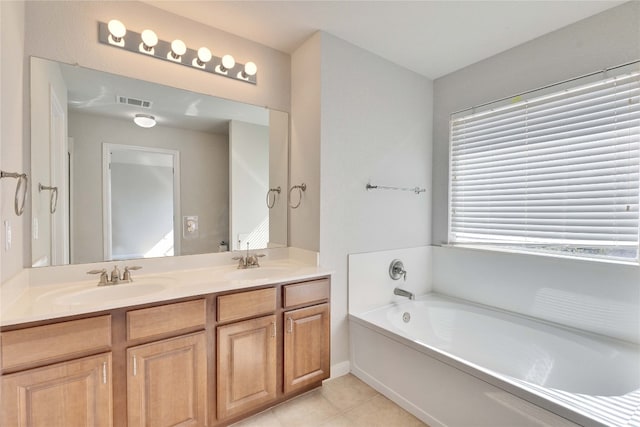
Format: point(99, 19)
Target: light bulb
point(204, 55)
point(250, 69)
point(117, 29)
point(178, 48)
point(149, 39)
point(228, 62)
point(144, 120)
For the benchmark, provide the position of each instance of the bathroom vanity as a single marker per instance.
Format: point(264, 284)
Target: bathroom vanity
point(190, 358)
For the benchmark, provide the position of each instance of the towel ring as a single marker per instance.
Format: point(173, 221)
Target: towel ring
point(274, 191)
point(23, 180)
point(302, 187)
point(53, 198)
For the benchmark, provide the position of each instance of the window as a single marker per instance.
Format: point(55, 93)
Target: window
point(557, 173)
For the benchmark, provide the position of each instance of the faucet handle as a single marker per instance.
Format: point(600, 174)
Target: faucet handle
point(126, 276)
point(103, 276)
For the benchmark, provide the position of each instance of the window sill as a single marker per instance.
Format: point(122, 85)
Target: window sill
point(487, 248)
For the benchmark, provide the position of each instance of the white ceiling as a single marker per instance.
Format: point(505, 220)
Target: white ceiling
point(432, 38)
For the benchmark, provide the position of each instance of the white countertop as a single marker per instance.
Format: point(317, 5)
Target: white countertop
point(44, 302)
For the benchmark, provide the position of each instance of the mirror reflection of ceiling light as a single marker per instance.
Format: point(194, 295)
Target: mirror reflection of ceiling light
point(149, 41)
point(116, 34)
point(144, 120)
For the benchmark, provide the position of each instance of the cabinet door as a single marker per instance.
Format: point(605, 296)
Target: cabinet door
point(306, 346)
point(75, 393)
point(167, 382)
point(246, 365)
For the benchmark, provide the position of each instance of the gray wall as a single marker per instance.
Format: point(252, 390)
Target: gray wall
point(604, 40)
point(204, 181)
point(372, 119)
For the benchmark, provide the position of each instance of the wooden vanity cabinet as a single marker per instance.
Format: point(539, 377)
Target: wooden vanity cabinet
point(167, 382)
point(306, 334)
point(74, 393)
point(167, 379)
point(209, 360)
point(247, 356)
point(54, 376)
point(246, 365)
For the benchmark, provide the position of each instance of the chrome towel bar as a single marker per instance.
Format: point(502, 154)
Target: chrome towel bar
point(416, 190)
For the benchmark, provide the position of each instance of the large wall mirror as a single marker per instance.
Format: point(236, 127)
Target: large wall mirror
point(210, 176)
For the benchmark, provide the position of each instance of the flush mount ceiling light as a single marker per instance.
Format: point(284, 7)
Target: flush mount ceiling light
point(144, 120)
point(147, 43)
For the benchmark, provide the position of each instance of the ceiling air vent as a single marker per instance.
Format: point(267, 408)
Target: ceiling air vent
point(133, 101)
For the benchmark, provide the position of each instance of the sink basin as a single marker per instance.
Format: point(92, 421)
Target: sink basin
point(109, 293)
point(256, 273)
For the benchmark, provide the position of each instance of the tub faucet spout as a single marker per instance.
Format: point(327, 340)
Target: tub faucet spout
point(403, 293)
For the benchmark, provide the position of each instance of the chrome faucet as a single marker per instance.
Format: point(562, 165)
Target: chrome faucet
point(114, 278)
point(248, 261)
point(403, 293)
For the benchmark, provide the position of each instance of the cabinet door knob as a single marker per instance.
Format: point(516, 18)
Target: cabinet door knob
point(290, 329)
point(273, 330)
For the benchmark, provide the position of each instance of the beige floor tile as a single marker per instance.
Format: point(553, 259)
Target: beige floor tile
point(346, 392)
point(309, 410)
point(263, 419)
point(337, 421)
point(381, 412)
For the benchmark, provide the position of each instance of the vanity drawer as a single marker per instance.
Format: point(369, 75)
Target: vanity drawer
point(246, 304)
point(164, 319)
point(55, 342)
point(306, 293)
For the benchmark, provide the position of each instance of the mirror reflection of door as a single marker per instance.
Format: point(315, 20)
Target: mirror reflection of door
point(141, 202)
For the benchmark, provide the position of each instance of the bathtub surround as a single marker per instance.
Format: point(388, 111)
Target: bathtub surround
point(599, 297)
point(370, 285)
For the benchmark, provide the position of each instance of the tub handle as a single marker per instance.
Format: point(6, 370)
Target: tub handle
point(290, 328)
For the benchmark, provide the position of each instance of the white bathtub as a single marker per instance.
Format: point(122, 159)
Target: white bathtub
point(460, 364)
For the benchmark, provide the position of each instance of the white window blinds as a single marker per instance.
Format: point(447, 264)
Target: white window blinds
point(555, 172)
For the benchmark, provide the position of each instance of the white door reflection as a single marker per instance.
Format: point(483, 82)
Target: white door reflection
point(141, 202)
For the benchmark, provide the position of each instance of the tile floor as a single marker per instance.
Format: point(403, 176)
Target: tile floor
point(342, 402)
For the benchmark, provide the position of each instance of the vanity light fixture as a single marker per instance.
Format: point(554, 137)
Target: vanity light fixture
point(117, 31)
point(144, 120)
point(204, 56)
point(147, 43)
point(178, 48)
